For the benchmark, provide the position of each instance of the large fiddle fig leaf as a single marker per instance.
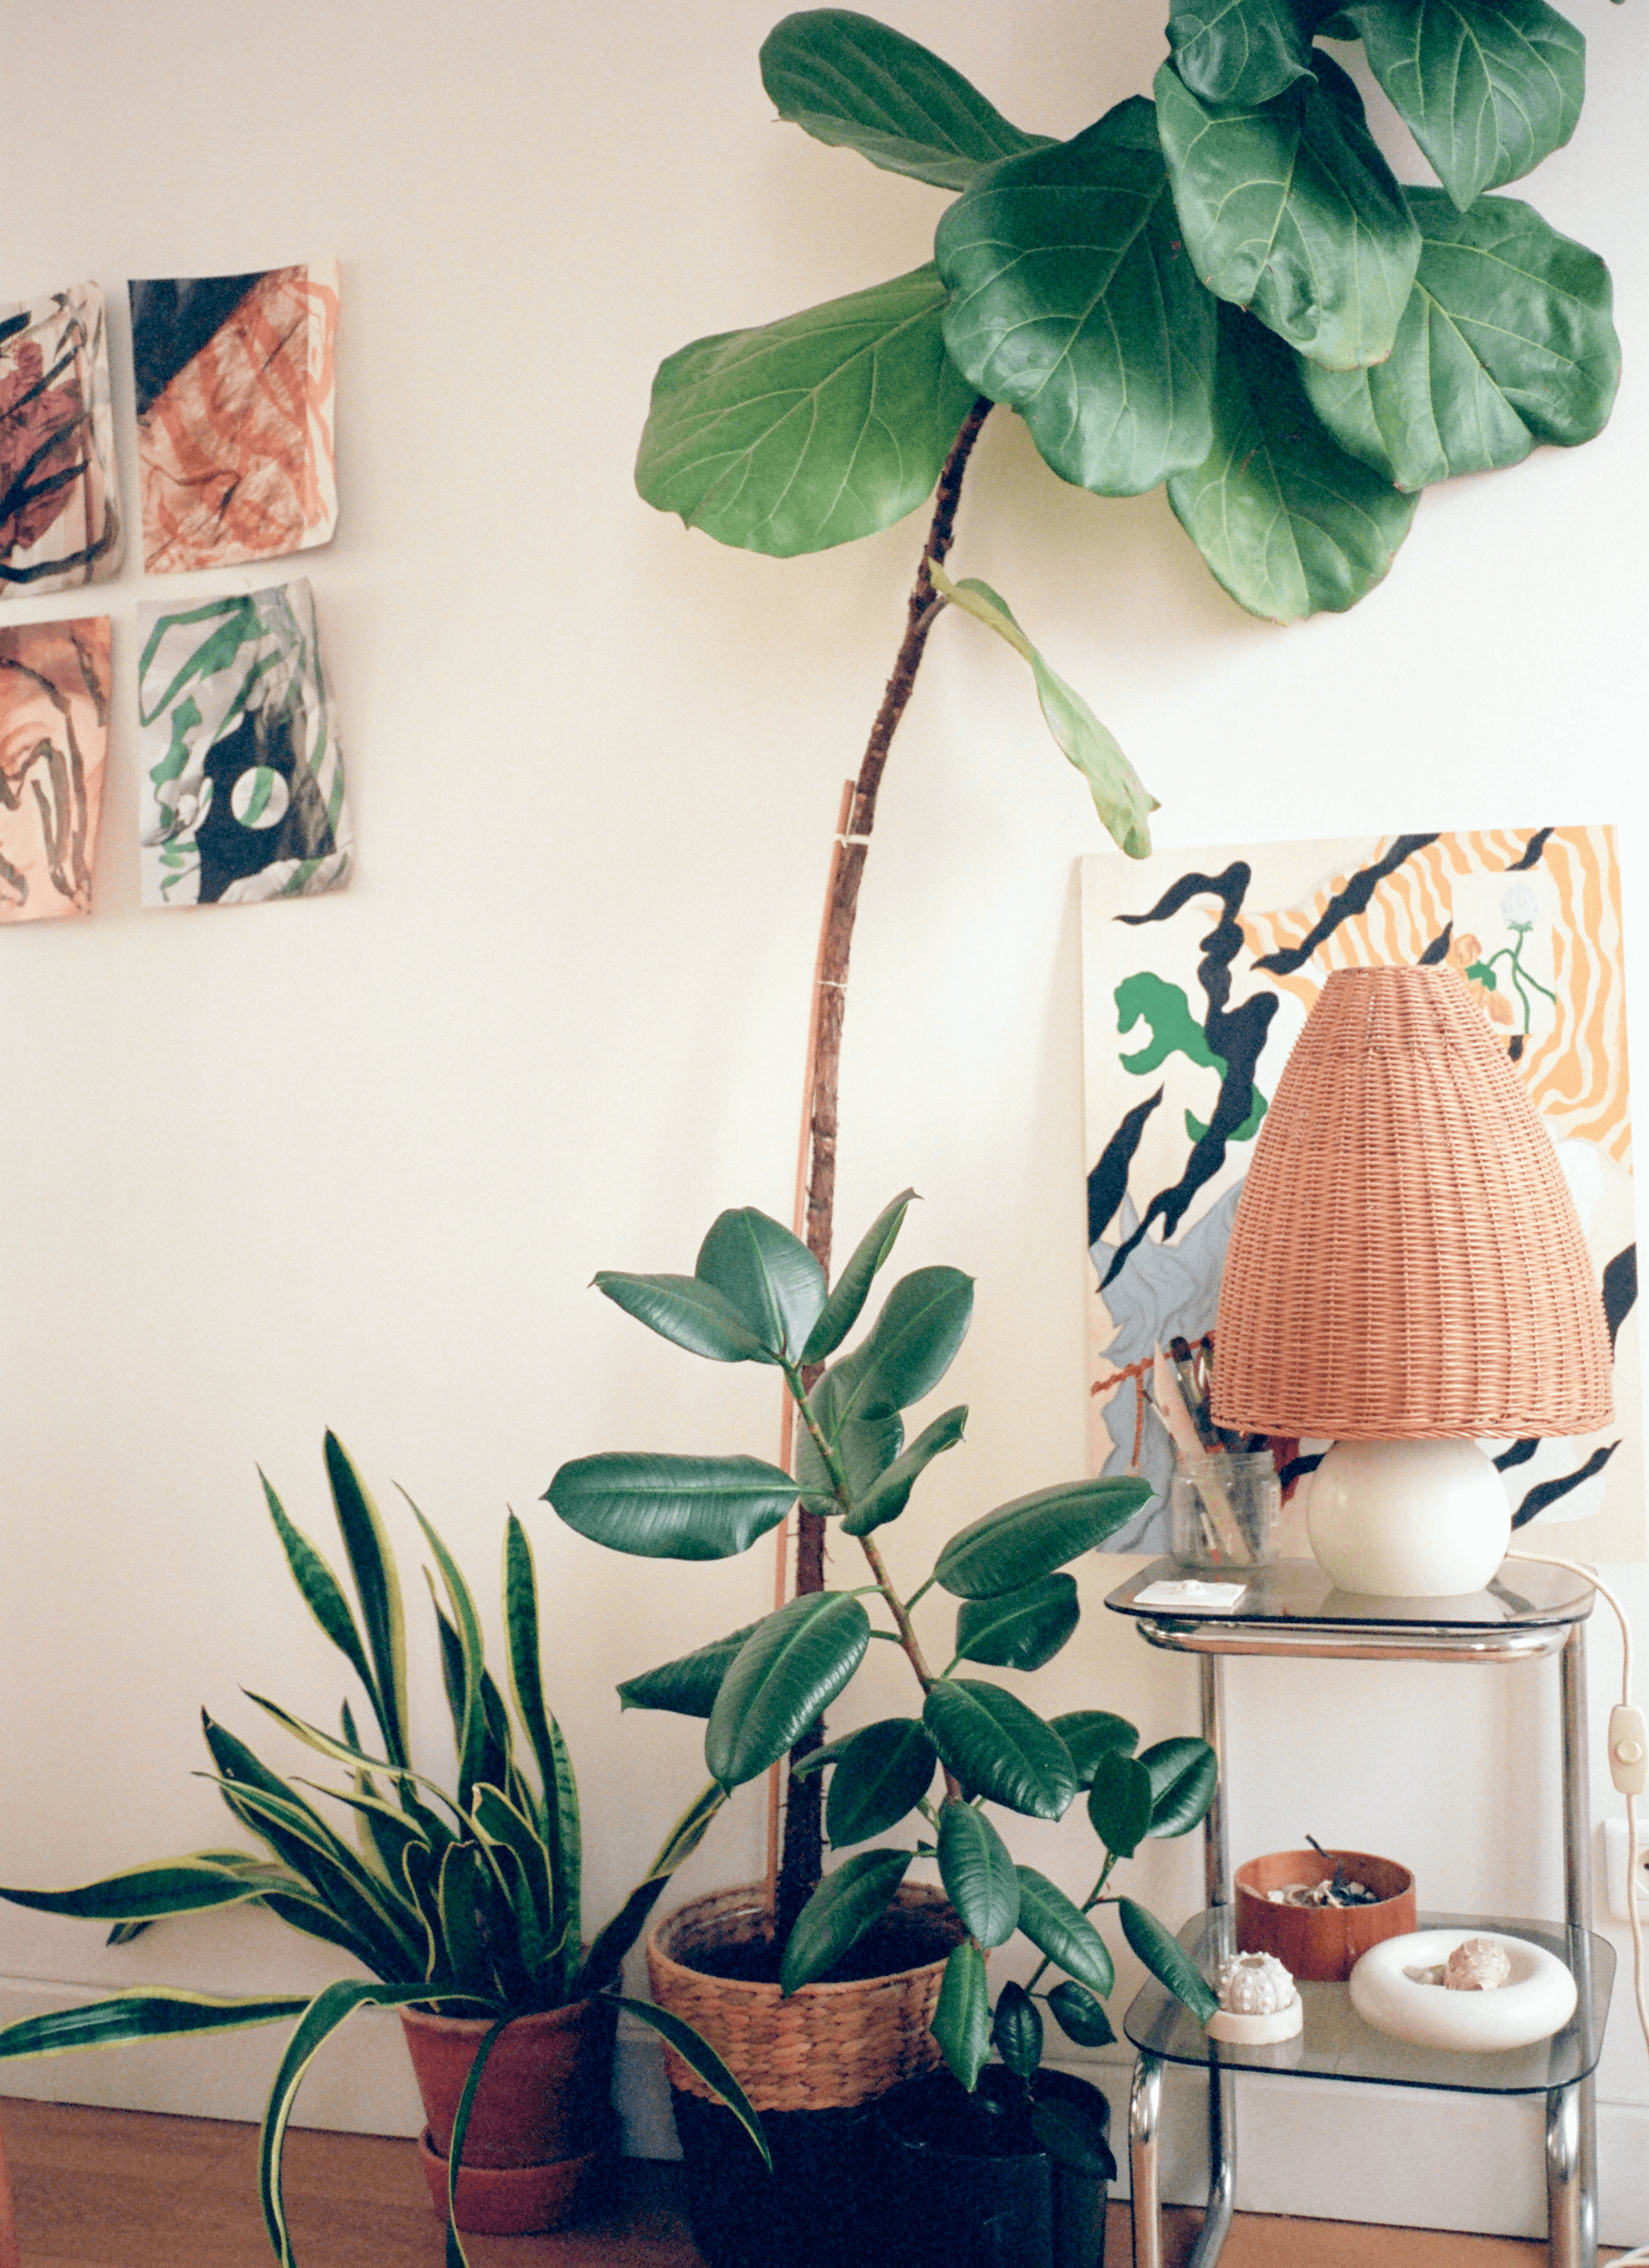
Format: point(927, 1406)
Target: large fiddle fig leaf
point(1237, 51)
point(1290, 209)
point(1074, 300)
point(1119, 796)
point(767, 1274)
point(1507, 341)
point(1288, 520)
point(822, 427)
point(1019, 1629)
point(1020, 1542)
point(664, 1507)
point(999, 1748)
point(848, 80)
point(1487, 87)
point(791, 1666)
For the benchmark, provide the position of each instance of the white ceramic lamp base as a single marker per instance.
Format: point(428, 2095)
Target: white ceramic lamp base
point(1407, 1520)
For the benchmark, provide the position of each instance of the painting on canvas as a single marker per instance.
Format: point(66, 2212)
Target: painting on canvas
point(234, 380)
point(53, 730)
point(1199, 968)
point(60, 523)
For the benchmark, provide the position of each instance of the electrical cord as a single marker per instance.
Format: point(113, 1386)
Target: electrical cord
point(1638, 2257)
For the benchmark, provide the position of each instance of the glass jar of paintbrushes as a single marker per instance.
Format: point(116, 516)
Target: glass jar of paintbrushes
point(1225, 1501)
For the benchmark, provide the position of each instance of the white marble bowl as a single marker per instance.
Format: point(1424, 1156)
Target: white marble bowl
point(1537, 2001)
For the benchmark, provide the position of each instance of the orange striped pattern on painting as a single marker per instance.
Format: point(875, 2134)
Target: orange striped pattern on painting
point(1576, 1074)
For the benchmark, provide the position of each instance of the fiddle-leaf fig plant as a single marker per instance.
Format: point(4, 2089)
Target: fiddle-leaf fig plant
point(757, 1294)
point(466, 1901)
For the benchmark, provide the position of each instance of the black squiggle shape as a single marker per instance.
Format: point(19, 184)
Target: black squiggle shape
point(1353, 899)
point(1236, 1038)
point(1532, 850)
point(1296, 1468)
point(1514, 1047)
point(1438, 950)
point(1620, 1290)
point(1549, 1491)
point(1519, 1453)
point(1109, 1177)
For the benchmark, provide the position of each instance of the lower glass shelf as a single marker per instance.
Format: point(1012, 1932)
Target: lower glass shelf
point(1336, 2043)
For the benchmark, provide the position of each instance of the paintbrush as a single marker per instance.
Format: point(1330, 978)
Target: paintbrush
point(1194, 1451)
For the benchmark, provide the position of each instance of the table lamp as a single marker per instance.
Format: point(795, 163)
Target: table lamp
point(1406, 1274)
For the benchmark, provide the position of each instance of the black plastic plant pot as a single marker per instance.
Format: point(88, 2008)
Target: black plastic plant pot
point(963, 2183)
point(816, 2209)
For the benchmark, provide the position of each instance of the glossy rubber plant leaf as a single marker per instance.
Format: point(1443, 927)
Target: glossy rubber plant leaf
point(1120, 1801)
point(889, 1494)
point(813, 430)
point(663, 1507)
point(999, 1748)
point(978, 1874)
point(1237, 51)
point(1487, 87)
point(378, 1587)
point(881, 1773)
point(1028, 1538)
point(1507, 340)
point(1288, 521)
point(848, 80)
point(962, 2022)
point(1119, 796)
point(852, 1288)
point(1290, 209)
point(1073, 300)
point(1167, 1961)
point(847, 1905)
point(792, 1666)
point(687, 1312)
point(1016, 2031)
point(699, 2056)
point(1091, 1734)
point(912, 1343)
point(1058, 1927)
point(766, 1274)
point(1080, 2016)
point(1184, 1775)
point(865, 1446)
point(1019, 1629)
point(688, 1685)
point(1074, 2139)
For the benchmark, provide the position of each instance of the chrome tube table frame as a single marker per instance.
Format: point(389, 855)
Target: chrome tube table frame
point(1292, 1612)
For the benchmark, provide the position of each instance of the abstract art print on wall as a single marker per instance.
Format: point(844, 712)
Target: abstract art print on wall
point(242, 779)
point(1199, 968)
point(234, 378)
point(53, 731)
point(60, 523)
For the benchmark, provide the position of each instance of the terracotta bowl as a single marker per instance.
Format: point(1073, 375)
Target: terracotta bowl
point(1321, 1944)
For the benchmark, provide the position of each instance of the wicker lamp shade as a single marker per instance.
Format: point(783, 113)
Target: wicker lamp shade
point(1406, 1262)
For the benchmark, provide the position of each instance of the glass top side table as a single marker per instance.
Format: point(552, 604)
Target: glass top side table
point(1289, 1609)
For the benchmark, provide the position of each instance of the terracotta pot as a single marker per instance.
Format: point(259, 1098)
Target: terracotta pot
point(1321, 1944)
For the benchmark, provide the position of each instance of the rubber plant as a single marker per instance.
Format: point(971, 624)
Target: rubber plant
point(1222, 288)
point(467, 1901)
point(758, 1295)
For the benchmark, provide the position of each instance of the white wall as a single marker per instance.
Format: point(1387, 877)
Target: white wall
point(354, 1162)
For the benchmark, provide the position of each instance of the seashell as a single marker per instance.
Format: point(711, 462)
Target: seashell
point(1254, 1984)
point(1476, 1965)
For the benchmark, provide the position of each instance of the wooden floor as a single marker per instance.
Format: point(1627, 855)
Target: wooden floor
point(122, 2188)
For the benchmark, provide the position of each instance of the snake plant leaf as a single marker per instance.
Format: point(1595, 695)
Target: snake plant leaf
point(1073, 299)
point(792, 1666)
point(1184, 1775)
point(378, 1587)
point(1016, 2031)
point(169, 1886)
point(569, 1847)
point(1487, 87)
point(688, 1685)
point(1507, 341)
point(859, 84)
point(1020, 1542)
point(1120, 1801)
point(559, 1800)
point(1168, 1963)
point(998, 1748)
point(687, 1312)
point(324, 1596)
point(1080, 2016)
point(768, 1275)
point(381, 1927)
point(847, 1905)
point(1237, 51)
point(848, 1294)
point(1290, 209)
point(1291, 523)
point(701, 2058)
point(882, 1772)
point(501, 1823)
point(1057, 1926)
point(138, 2016)
point(1119, 796)
point(456, 2256)
point(962, 2022)
point(978, 1874)
point(887, 1496)
point(865, 1445)
point(911, 1344)
point(813, 430)
point(1019, 1629)
point(614, 1941)
point(1091, 1734)
point(472, 1730)
point(664, 1507)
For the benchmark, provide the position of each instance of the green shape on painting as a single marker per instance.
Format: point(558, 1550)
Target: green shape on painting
point(1173, 1031)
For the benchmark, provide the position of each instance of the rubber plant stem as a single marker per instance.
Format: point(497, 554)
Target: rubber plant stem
point(802, 1860)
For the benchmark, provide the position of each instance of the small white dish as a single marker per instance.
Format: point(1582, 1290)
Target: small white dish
point(1537, 2001)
